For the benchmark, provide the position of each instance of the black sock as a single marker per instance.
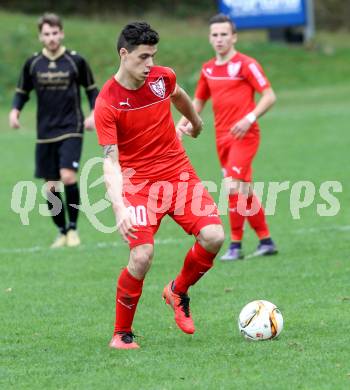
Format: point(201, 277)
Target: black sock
point(266, 241)
point(72, 198)
point(55, 205)
point(236, 244)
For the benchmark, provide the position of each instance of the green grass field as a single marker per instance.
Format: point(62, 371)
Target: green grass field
point(57, 307)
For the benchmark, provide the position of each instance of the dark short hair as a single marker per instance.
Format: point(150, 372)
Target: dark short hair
point(51, 19)
point(222, 18)
point(135, 34)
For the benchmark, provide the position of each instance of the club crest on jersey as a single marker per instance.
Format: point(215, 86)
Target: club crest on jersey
point(233, 68)
point(158, 87)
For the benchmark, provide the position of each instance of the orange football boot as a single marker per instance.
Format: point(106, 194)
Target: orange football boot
point(181, 305)
point(123, 340)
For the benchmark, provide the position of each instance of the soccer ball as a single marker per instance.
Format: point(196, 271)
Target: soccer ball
point(260, 320)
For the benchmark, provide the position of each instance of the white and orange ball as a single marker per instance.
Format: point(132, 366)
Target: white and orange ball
point(260, 320)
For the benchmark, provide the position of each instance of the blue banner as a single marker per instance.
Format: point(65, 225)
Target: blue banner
point(250, 14)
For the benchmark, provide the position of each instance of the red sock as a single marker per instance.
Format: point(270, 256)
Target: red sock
point(257, 220)
point(197, 262)
point(236, 217)
point(129, 290)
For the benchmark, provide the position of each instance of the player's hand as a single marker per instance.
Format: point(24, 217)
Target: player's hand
point(125, 225)
point(190, 129)
point(183, 122)
point(89, 123)
point(184, 130)
point(14, 119)
point(239, 129)
point(179, 133)
point(197, 127)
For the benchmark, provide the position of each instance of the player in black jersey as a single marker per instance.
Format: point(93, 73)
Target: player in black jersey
point(56, 75)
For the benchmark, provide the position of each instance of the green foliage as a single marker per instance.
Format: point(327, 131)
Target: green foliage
point(333, 14)
point(177, 8)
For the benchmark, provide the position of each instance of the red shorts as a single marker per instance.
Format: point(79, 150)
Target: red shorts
point(185, 200)
point(236, 157)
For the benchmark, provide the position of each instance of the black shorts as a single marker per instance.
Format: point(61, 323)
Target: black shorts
point(51, 157)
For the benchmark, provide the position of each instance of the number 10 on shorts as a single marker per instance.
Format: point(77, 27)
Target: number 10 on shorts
point(138, 215)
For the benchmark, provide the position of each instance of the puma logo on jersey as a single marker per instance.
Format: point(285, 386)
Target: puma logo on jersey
point(237, 170)
point(209, 70)
point(122, 104)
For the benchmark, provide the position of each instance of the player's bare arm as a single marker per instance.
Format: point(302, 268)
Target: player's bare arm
point(267, 100)
point(14, 118)
point(198, 105)
point(183, 104)
point(114, 184)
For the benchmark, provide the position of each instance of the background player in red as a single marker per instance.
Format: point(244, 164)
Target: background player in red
point(231, 80)
point(148, 176)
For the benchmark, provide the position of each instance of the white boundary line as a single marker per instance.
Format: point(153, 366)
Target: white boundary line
point(164, 241)
point(96, 246)
point(334, 228)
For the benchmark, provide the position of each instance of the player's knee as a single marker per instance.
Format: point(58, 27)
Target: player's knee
point(68, 177)
point(141, 259)
point(235, 186)
point(68, 180)
point(212, 237)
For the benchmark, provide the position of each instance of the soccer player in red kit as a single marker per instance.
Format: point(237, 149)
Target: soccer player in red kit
point(231, 80)
point(148, 176)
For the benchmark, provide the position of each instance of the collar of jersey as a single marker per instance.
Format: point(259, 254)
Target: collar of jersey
point(229, 60)
point(59, 53)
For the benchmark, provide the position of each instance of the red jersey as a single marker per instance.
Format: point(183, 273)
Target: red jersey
point(140, 123)
point(232, 87)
